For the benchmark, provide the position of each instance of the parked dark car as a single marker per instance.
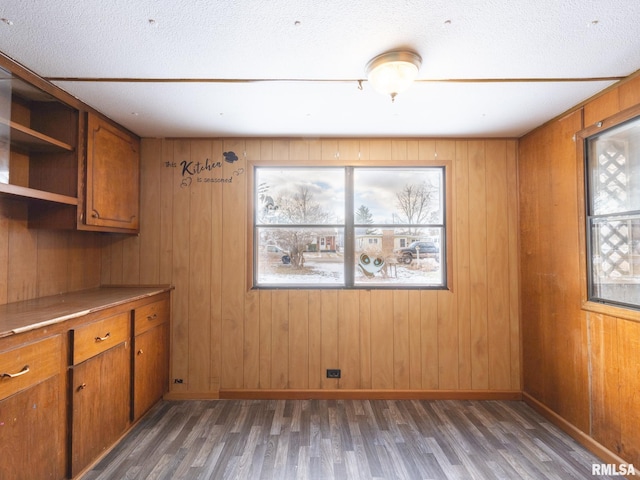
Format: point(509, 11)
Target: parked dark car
point(418, 250)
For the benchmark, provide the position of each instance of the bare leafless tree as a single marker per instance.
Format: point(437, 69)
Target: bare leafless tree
point(298, 208)
point(417, 204)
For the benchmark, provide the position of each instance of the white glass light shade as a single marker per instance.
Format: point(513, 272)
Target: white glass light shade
point(393, 72)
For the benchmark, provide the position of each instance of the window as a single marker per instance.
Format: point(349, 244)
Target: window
point(349, 227)
point(612, 161)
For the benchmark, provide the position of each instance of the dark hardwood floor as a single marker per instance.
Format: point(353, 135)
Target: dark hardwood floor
point(345, 439)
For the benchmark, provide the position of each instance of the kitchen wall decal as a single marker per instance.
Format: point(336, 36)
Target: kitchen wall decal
point(204, 171)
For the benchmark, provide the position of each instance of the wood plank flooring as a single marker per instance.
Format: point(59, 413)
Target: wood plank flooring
point(345, 439)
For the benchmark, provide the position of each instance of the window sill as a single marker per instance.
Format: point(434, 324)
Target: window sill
point(611, 310)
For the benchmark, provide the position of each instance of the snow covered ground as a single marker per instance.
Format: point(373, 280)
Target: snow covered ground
point(324, 269)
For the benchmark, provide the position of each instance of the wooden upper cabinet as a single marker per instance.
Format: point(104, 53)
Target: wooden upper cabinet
point(74, 168)
point(112, 178)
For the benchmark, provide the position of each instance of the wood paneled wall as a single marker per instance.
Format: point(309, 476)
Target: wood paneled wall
point(227, 337)
point(37, 263)
point(580, 365)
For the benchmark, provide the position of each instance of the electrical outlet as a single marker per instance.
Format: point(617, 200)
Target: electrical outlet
point(333, 373)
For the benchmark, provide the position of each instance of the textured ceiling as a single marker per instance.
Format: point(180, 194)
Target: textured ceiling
point(167, 68)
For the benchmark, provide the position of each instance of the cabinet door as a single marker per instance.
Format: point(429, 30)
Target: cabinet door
point(100, 403)
point(32, 433)
point(151, 368)
point(112, 183)
point(32, 411)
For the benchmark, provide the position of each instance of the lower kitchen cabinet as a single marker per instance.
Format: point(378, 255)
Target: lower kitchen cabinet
point(151, 355)
point(71, 388)
point(151, 363)
point(100, 404)
point(32, 413)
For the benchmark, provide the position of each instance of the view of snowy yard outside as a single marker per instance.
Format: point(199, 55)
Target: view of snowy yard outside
point(328, 269)
point(300, 227)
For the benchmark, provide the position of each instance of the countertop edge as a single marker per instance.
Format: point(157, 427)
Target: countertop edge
point(12, 321)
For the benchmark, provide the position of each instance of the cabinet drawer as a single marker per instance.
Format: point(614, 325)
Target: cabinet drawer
point(151, 315)
point(27, 365)
point(97, 337)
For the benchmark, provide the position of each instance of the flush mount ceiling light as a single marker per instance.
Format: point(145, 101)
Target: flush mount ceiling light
point(393, 72)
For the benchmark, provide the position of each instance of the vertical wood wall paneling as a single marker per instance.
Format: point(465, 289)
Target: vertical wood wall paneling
point(498, 327)
point(349, 151)
point(401, 334)
point(181, 278)
point(349, 338)
point(401, 350)
point(4, 249)
point(234, 256)
point(298, 360)
point(529, 171)
point(429, 339)
point(364, 315)
point(582, 365)
point(602, 107)
point(445, 149)
point(280, 339)
point(265, 355)
point(130, 259)
point(216, 267)
point(382, 340)
point(251, 337)
point(53, 262)
point(299, 150)
point(329, 335)
point(615, 369)
point(265, 361)
point(226, 335)
point(200, 227)
point(105, 260)
point(514, 266)
point(415, 339)
point(166, 186)
point(461, 246)
point(629, 371)
point(605, 381)
point(151, 232)
point(316, 374)
point(478, 266)
point(447, 340)
point(568, 330)
point(447, 316)
point(116, 243)
point(23, 255)
point(329, 151)
point(36, 263)
point(629, 93)
point(552, 382)
point(84, 260)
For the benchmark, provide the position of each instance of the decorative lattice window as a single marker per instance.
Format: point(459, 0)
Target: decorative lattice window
point(613, 214)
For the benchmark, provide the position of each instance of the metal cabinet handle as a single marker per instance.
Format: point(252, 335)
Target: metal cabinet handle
point(140, 352)
point(152, 317)
point(102, 339)
point(24, 370)
point(82, 386)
